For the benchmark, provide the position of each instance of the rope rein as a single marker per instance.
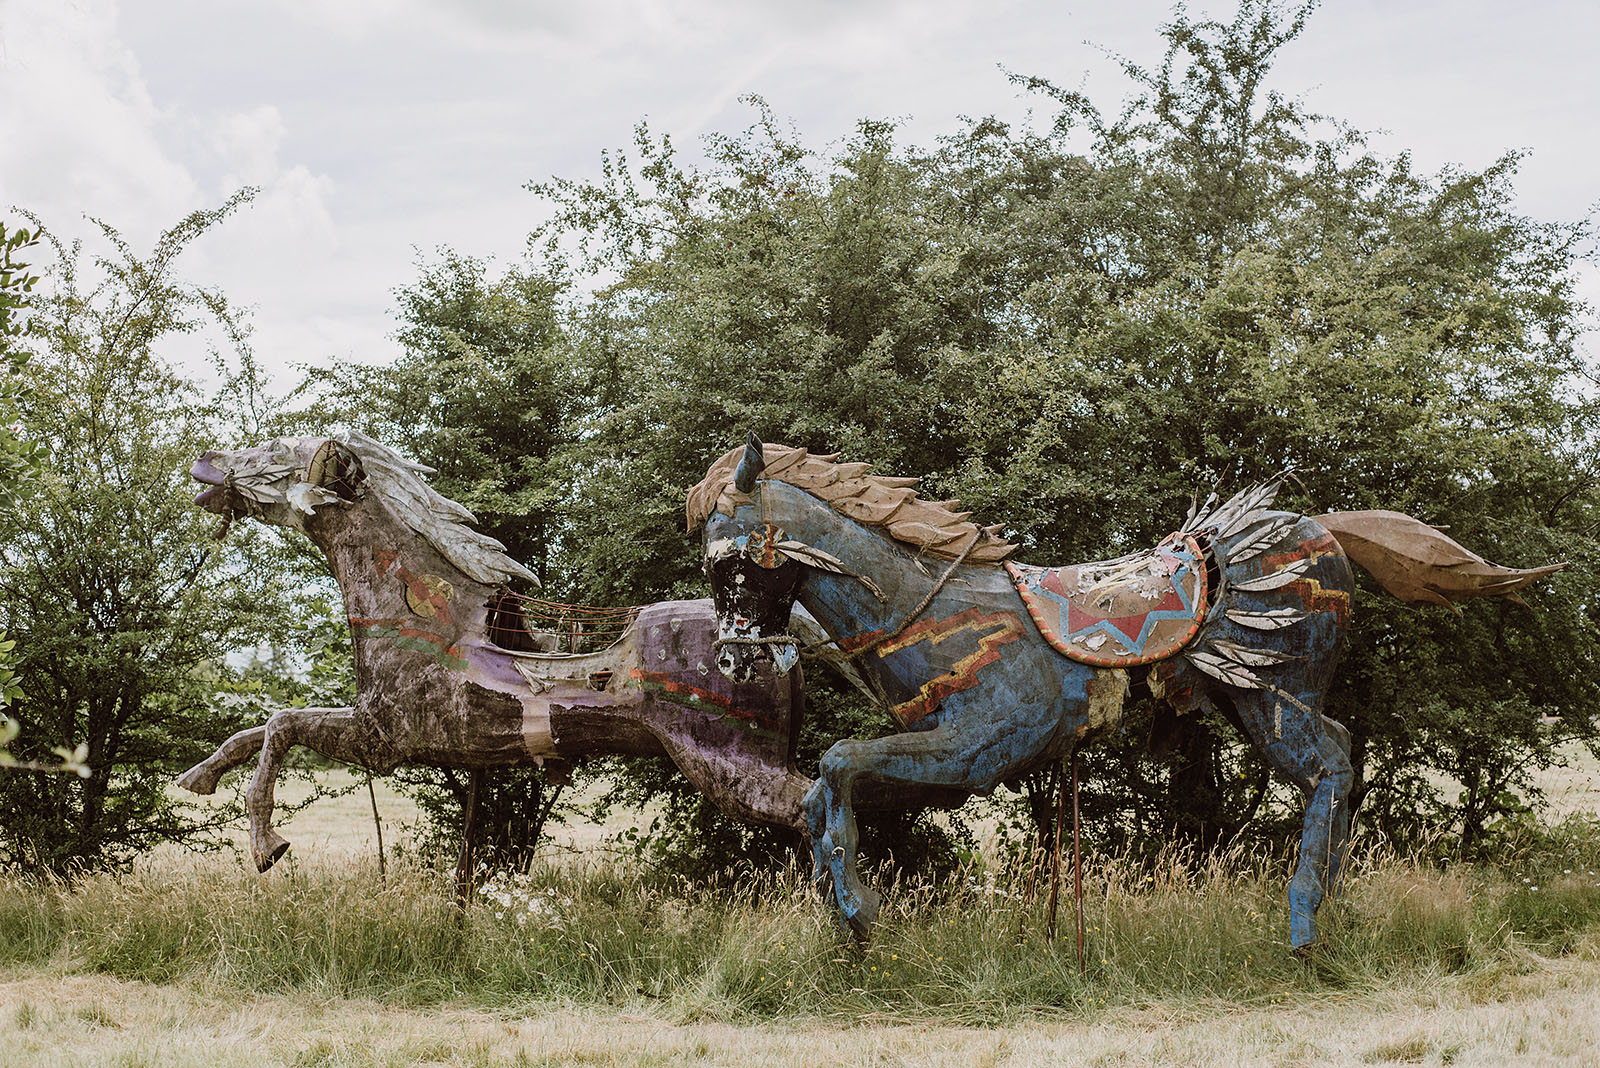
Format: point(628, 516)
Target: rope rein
point(915, 613)
point(777, 639)
point(910, 618)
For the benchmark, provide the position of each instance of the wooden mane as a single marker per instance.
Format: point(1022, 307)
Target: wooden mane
point(443, 523)
point(890, 504)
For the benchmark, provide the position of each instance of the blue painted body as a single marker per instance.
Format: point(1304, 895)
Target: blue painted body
point(985, 698)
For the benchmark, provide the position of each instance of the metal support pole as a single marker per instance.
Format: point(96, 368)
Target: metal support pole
point(464, 862)
point(1055, 857)
point(1077, 862)
point(377, 822)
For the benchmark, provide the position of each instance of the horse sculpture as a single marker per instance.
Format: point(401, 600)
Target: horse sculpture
point(995, 669)
point(447, 675)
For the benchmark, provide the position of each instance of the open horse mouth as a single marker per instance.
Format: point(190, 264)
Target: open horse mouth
point(217, 496)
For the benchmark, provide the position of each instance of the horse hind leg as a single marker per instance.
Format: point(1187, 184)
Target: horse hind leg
point(204, 776)
point(1341, 845)
point(1313, 752)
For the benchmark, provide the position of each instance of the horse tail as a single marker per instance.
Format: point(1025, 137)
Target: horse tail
point(1417, 563)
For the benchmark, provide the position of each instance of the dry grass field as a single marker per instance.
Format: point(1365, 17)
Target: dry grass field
point(1399, 994)
point(1548, 1016)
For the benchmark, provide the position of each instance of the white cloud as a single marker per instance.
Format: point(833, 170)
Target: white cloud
point(248, 144)
point(373, 127)
point(79, 128)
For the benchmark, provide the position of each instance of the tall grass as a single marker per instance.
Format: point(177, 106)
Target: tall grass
point(969, 949)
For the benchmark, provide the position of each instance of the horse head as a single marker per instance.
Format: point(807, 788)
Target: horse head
point(753, 580)
point(282, 482)
point(292, 481)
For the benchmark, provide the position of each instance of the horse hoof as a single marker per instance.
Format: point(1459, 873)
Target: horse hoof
point(197, 781)
point(276, 848)
point(860, 927)
point(865, 913)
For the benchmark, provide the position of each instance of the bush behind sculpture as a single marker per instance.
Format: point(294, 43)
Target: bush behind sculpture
point(1073, 330)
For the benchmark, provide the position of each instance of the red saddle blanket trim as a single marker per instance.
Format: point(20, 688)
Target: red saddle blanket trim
point(1134, 610)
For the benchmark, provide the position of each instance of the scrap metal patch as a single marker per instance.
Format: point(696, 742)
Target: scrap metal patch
point(1119, 613)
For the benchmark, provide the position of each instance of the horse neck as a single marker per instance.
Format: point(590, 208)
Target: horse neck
point(846, 606)
point(376, 558)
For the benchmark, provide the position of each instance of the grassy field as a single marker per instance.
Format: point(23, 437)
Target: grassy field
point(195, 960)
point(341, 825)
point(1544, 1017)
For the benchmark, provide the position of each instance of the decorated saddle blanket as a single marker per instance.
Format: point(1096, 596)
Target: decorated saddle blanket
point(1119, 613)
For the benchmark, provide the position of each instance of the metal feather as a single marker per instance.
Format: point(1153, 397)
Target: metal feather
point(1278, 527)
point(1226, 670)
point(1252, 508)
point(1276, 619)
point(1243, 654)
point(1281, 577)
point(1229, 518)
point(800, 552)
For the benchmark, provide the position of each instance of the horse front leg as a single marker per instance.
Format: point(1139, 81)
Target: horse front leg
point(328, 731)
point(973, 752)
point(831, 823)
point(204, 776)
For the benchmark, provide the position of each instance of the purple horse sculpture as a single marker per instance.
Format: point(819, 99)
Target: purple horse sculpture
point(995, 668)
point(444, 679)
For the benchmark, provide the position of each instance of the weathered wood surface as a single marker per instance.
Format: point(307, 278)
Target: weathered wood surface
point(432, 689)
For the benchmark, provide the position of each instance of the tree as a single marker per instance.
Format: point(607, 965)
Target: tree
point(18, 458)
point(483, 392)
point(1075, 329)
point(121, 602)
point(1072, 328)
point(17, 454)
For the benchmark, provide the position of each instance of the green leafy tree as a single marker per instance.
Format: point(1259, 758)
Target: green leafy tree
point(17, 453)
point(484, 393)
point(1075, 329)
point(18, 458)
point(1072, 328)
point(120, 600)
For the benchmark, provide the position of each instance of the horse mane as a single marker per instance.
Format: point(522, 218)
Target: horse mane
point(441, 522)
point(890, 504)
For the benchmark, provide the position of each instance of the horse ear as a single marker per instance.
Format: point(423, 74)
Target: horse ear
point(751, 466)
point(334, 468)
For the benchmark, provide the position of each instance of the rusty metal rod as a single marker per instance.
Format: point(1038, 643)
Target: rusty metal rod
point(1055, 858)
point(377, 823)
point(1077, 862)
point(464, 862)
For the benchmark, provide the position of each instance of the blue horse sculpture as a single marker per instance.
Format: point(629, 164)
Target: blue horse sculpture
point(995, 669)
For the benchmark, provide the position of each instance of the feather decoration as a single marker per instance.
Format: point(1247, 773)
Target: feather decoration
point(1281, 577)
point(1226, 670)
point(1252, 508)
point(800, 552)
point(1275, 619)
point(1199, 513)
point(1275, 531)
point(1243, 654)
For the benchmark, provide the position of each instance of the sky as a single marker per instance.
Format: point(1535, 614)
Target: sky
point(379, 131)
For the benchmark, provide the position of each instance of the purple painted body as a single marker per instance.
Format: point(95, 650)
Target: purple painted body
point(417, 584)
